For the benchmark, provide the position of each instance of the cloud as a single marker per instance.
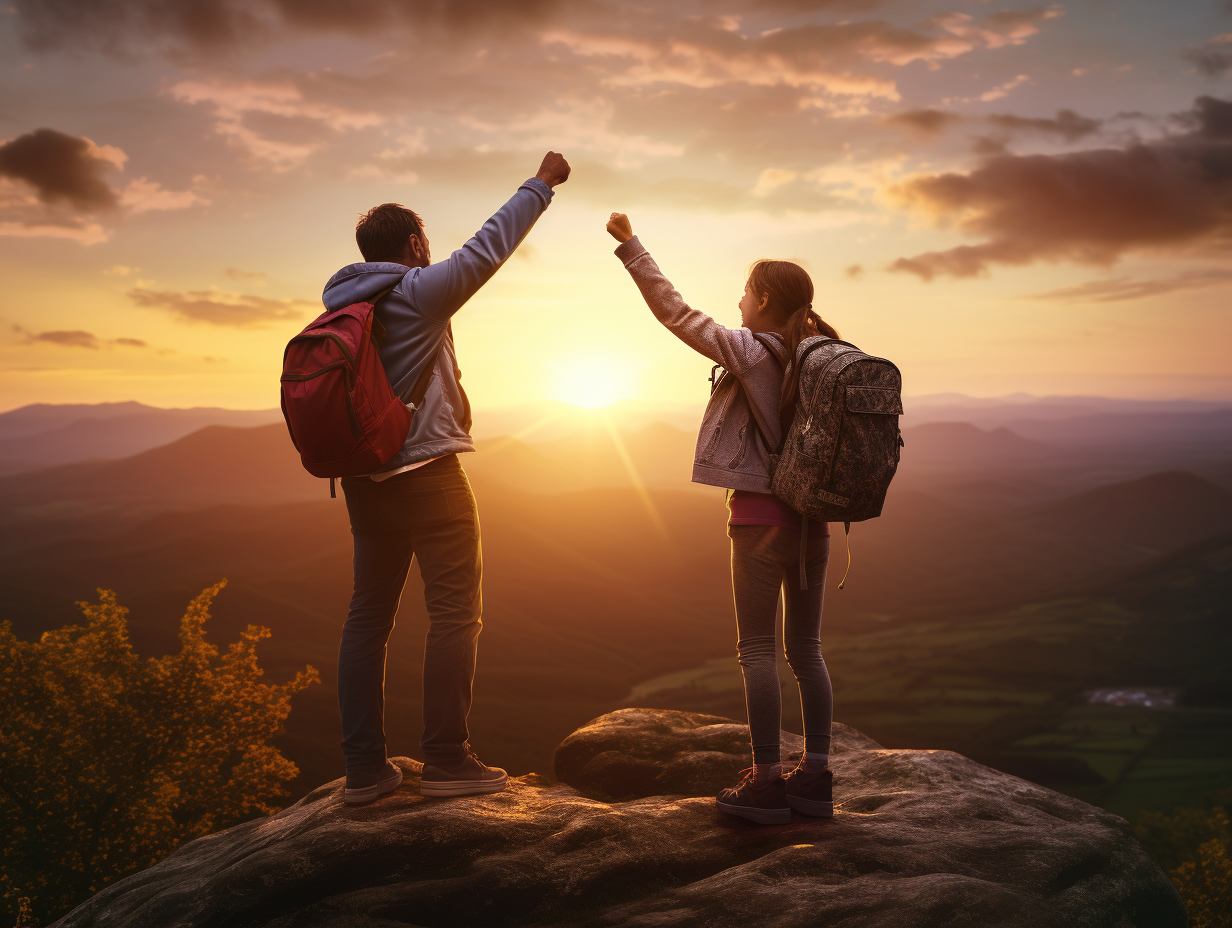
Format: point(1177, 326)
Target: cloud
point(705, 52)
point(771, 179)
point(927, 121)
point(1214, 59)
point(256, 278)
point(75, 338)
point(62, 169)
point(83, 233)
point(142, 195)
point(854, 271)
point(1123, 288)
point(69, 339)
point(236, 102)
point(52, 185)
point(125, 27)
point(219, 307)
point(1087, 206)
point(1067, 124)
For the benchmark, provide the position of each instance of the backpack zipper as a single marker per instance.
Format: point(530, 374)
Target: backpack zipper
point(346, 352)
point(349, 377)
point(808, 423)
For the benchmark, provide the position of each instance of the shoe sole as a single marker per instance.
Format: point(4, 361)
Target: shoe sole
point(461, 787)
point(754, 814)
point(359, 797)
point(813, 807)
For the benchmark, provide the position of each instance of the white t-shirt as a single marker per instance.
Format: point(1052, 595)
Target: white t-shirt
point(402, 470)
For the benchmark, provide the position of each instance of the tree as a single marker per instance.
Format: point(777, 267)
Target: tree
point(1196, 847)
point(109, 762)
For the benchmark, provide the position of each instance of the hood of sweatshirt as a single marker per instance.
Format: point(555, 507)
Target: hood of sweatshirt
point(359, 283)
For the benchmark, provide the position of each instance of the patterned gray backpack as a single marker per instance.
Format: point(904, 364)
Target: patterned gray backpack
point(841, 450)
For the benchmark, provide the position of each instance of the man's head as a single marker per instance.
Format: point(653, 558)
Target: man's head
point(391, 232)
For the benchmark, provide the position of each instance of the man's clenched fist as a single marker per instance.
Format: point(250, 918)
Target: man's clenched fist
point(554, 169)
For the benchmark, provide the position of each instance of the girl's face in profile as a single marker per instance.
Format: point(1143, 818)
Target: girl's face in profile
point(751, 316)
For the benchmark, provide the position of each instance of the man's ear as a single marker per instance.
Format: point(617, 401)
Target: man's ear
point(416, 245)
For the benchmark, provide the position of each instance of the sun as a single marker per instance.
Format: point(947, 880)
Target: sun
point(591, 380)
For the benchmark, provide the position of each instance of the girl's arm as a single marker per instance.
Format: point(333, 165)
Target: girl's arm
point(736, 349)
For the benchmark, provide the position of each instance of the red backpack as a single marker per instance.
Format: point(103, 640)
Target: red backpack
point(342, 413)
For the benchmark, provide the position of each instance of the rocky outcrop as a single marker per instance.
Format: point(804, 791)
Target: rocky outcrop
point(919, 838)
point(655, 752)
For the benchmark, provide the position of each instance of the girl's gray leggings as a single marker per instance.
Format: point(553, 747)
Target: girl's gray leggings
point(765, 559)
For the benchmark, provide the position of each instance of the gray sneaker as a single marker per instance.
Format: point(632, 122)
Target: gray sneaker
point(468, 777)
point(364, 787)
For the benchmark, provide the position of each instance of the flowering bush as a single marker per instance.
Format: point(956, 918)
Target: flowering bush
point(108, 762)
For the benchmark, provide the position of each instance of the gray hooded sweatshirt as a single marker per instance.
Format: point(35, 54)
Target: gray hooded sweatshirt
point(416, 315)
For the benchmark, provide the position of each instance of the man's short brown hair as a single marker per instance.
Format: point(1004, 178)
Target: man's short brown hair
point(383, 231)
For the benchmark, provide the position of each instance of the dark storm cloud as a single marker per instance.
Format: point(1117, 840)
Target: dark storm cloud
point(1067, 125)
point(61, 168)
point(1087, 206)
point(222, 309)
point(204, 25)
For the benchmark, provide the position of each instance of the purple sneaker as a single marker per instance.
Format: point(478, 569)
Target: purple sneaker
point(810, 792)
point(362, 788)
point(468, 777)
point(764, 803)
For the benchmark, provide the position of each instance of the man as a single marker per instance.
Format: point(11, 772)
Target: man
point(420, 504)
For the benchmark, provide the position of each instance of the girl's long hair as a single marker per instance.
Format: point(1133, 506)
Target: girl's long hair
point(788, 290)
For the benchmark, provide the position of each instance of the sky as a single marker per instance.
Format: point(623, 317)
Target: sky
point(1034, 198)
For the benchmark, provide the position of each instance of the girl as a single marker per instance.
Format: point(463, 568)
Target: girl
point(749, 409)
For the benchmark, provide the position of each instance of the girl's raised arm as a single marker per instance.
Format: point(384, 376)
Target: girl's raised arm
point(736, 349)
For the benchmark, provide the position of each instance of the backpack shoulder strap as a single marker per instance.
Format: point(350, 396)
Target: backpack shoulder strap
point(771, 345)
point(378, 339)
point(378, 327)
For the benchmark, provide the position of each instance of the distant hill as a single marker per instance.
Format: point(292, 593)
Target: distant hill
point(211, 465)
point(44, 435)
point(1164, 510)
point(1155, 433)
point(963, 444)
point(43, 417)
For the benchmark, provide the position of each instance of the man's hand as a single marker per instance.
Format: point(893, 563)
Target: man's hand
point(620, 227)
point(554, 170)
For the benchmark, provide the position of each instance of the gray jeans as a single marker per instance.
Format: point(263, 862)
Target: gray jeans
point(427, 514)
point(766, 559)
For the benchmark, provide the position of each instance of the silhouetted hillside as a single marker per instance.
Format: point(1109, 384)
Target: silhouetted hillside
point(1166, 509)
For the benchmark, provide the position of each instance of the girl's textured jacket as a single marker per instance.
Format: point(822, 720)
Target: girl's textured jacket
point(731, 451)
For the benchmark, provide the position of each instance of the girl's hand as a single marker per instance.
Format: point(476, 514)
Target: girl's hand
point(620, 227)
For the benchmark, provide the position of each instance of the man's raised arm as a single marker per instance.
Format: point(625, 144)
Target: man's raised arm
point(440, 290)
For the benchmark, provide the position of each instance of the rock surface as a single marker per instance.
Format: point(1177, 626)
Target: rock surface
point(919, 838)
